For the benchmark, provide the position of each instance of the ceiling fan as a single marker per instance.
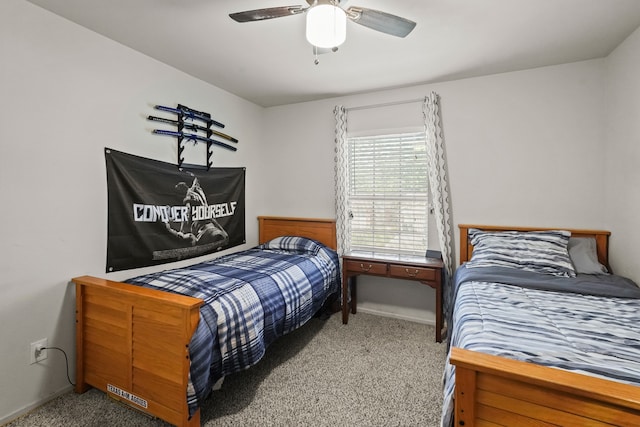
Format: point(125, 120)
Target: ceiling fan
point(326, 20)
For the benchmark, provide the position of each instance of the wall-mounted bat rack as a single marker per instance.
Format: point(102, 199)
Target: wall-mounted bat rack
point(192, 121)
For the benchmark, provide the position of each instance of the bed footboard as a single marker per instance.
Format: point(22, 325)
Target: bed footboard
point(133, 343)
point(492, 390)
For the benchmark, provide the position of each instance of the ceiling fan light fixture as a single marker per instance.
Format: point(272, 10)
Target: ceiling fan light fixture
point(326, 26)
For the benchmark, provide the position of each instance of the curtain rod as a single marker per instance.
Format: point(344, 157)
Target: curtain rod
point(386, 104)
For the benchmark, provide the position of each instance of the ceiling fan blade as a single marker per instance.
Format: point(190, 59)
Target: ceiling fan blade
point(381, 21)
point(268, 13)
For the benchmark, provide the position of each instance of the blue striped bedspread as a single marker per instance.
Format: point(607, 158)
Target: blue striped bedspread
point(251, 298)
point(591, 334)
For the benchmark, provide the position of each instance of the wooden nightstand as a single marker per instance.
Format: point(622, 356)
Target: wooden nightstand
point(427, 271)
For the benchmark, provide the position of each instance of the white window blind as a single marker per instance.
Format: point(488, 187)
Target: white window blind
point(388, 191)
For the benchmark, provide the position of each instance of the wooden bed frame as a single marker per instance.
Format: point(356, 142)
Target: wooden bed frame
point(133, 342)
point(496, 391)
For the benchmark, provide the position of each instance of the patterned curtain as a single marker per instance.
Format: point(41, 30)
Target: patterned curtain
point(343, 223)
point(439, 185)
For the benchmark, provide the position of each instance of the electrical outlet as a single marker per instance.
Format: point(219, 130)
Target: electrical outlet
point(38, 351)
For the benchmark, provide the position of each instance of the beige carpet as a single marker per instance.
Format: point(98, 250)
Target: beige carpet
point(375, 371)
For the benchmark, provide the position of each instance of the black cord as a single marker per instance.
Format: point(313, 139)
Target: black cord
point(65, 359)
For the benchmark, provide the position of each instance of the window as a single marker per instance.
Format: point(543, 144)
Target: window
point(388, 190)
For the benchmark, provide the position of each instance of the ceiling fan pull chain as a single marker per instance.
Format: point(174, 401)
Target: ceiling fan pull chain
point(315, 52)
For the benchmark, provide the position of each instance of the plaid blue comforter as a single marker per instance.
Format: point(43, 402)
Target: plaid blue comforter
point(251, 298)
point(588, 332)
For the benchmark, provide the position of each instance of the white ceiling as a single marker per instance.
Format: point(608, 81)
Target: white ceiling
point(270, 63)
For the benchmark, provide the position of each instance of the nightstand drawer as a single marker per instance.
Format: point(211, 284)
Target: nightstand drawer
point(367, 267)
point(409, 272)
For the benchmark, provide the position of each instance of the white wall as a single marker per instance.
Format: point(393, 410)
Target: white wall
point(66, 94)
point(622, 156)
point(524, 148)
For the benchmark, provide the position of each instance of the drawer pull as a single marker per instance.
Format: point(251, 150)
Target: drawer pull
point(410, 273)
point(365, 268)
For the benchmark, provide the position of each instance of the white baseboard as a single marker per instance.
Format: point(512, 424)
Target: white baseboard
point(394, 315)
point(26, 409)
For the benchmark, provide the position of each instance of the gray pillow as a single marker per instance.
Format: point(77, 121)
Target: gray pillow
point(584, 256)
point(538, 251)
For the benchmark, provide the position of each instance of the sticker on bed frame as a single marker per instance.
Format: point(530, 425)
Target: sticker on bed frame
point(128, 396)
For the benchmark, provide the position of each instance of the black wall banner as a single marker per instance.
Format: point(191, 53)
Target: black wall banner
point(159, 213)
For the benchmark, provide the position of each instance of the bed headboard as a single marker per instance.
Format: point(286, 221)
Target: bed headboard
point(322, 230)
point(602, 238)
